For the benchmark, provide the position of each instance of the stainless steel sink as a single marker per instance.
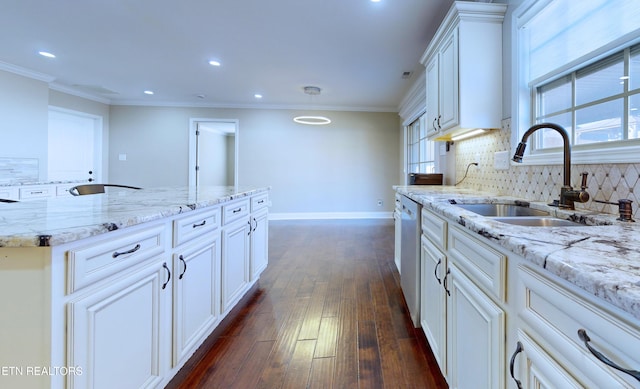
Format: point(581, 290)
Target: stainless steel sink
point(502, 210)
point(535, 221)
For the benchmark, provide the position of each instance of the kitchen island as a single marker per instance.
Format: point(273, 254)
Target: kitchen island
point(547, 291)
point(119, 289)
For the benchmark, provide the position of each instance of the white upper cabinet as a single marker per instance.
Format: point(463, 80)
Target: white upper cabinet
point(464, 71)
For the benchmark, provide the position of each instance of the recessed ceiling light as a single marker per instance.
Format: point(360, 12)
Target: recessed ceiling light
point(214, 63)
point(46, 54)
point(148, 92)
point(257, 96)
point(375, 1)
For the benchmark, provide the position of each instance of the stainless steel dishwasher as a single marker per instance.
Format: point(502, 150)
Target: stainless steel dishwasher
point(410, 257)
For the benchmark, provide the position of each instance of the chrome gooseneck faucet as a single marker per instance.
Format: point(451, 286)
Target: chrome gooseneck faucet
point(567, 195)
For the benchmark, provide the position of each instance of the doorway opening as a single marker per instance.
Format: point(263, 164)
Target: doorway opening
point(213, 152)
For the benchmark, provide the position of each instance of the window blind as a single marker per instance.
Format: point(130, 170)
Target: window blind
point(565, 32)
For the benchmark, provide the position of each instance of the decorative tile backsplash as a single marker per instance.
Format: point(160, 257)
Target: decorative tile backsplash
point(18, 171)
point(607, 182)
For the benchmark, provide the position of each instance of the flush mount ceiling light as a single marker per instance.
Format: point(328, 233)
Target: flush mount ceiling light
point(312, 120)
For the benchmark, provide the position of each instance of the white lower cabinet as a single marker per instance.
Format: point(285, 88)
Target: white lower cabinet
point(539, 369)
point(570, 339)
point(259, 242)
point(475, 336)
point(433, 301)
point(235, 262)
point(196, 290)
point(118, 333)
point(462, 306)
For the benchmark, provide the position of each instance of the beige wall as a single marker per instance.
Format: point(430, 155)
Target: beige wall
point(23, 118)
point(344, 167)
point(24, 113)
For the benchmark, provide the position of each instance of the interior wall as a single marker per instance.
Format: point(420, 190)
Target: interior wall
point(23, 118)
point(314, 171)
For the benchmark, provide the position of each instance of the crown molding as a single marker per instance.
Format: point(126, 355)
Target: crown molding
point(19, 70)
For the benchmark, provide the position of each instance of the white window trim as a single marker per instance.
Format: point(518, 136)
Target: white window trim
point(523, 97)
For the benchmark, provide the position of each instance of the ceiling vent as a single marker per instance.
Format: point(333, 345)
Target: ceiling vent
point(95, 89)
point(406, 75)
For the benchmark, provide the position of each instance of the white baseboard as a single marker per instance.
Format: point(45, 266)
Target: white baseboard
point(330, 215)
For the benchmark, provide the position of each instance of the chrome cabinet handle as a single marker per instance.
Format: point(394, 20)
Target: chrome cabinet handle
point(435, 271)
point(168, 275)
point(444, 282)
point(133, 250)
point(582, 334)
point(519, 349)
point(184, 263)
point(199, 224)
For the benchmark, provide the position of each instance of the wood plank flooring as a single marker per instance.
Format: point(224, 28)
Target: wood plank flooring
point(327, 313)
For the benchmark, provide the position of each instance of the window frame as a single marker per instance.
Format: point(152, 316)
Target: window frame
point(423, 143)
point(524, 97)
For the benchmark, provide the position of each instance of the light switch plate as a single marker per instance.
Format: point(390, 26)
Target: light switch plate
point(501, 160)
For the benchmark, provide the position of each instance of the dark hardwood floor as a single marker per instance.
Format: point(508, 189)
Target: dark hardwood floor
point(327, 313)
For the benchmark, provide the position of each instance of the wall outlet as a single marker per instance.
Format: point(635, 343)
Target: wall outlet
point(501, 160)
point(380, 203)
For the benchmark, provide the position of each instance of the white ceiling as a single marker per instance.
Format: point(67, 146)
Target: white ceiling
point(113, 50)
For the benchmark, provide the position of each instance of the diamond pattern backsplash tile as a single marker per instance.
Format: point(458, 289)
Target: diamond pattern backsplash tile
point(605, 182)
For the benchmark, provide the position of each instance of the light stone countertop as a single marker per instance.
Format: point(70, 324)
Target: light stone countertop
point(601, 257)
point(58, 220)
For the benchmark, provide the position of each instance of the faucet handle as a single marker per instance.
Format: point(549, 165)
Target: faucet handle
point(583, 185)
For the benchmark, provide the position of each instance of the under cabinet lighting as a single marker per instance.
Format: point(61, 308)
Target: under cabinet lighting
point(469, 134)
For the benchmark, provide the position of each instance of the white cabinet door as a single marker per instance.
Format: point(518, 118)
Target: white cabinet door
point(433, 313)
point(259, 243)
point(433, 97)
point(398, 234)
point(475, 338)
point(235, 262)
point(448, 78)
point(117, 334)
point(536, 369)
point(196, 292)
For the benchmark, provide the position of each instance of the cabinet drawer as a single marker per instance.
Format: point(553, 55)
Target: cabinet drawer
point(37, 192)
point(63, 190)
point(259, 201)
point(195, 224)
point(234, 211)
point(108, 256)
point(482, 264)
point(555, 312)
point(434, 228)
point(9, 193)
